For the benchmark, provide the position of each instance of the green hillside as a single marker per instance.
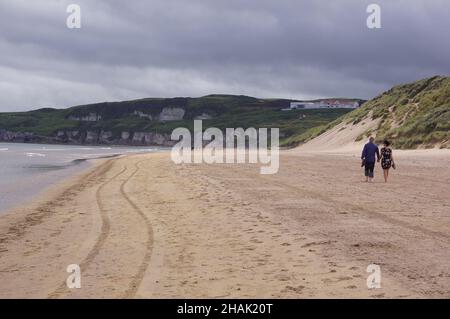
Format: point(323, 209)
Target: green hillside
point(411, 115)
point(220, 111)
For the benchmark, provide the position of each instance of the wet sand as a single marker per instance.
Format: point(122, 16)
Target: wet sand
point(142, 227)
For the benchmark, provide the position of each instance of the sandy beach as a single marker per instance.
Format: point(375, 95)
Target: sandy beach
point(140, 226)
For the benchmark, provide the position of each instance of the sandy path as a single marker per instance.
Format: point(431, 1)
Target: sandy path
point(142, 227)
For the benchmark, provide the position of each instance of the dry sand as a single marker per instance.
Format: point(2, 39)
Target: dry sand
point(342, 137)
point(142, 227)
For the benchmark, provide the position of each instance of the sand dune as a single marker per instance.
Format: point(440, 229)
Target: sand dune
point(142, 227)
point(343, 137)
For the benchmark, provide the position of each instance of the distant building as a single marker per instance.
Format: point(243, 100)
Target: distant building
point(303, 105)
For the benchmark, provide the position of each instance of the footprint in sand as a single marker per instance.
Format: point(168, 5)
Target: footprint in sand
point(297, 289)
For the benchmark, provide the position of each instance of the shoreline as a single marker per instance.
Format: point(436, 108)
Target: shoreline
point(57, 182)
point(51, 191)
point(30, 168)
point(86, 145)
point(140, 226)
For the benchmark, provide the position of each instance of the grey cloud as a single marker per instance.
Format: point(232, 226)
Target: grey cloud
point(266, 48)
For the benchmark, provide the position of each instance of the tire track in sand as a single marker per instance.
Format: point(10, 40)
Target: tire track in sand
point(105, 229)
point(139, 276)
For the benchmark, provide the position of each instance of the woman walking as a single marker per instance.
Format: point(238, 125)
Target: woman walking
point(387, 159)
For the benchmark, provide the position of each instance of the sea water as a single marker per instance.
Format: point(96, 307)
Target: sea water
point(27, 169)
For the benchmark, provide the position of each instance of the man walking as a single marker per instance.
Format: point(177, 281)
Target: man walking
point(368, 157)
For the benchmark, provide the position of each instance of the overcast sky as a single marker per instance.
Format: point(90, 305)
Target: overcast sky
point(165, 48)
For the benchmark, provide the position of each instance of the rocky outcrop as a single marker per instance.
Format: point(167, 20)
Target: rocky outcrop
point(78, 137)
point(9, 136)
point(91, 137)
point(143, 115)
point(91, 117)
point(166, 114)
point(140, 138)
point(171, 114)
point(106, 137)
point(125, 138)
point(149, 138)
point(160, 139)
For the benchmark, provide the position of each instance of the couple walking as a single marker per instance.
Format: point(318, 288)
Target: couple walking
point(368, 155)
